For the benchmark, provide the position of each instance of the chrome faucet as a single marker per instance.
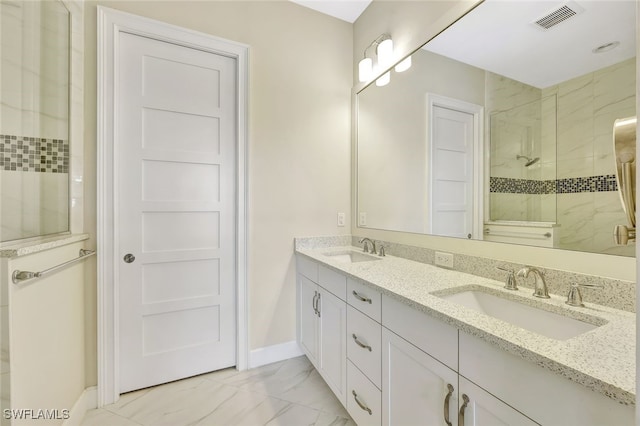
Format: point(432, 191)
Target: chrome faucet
point(541, 289)
point(366, 242)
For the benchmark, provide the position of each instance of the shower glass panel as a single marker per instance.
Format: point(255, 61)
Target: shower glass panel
point(522, 184)
point(34, 119)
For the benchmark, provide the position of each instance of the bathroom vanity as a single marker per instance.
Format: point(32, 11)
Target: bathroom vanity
point(399, 342)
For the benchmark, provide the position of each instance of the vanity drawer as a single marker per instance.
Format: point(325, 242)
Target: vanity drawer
point(308, 268)
point(368, 333)
point(433, 336)
point(364, 399)
point(371, 305)
point(332, 281)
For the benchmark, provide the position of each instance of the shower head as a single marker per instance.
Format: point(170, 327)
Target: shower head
point(530, 161)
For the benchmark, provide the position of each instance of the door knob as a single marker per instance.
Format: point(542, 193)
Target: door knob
point(129, 258)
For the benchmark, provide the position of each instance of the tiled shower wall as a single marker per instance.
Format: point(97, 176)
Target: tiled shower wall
point(587, 108)
point(574, 183)
point(34, 111)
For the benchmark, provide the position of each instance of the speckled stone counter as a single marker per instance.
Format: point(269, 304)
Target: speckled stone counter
point(602, 359)
point(24, 248)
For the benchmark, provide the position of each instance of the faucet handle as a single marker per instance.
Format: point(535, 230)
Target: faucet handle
point(365, 247)
point(574, 298)
point(381, 250)
point(510, 283)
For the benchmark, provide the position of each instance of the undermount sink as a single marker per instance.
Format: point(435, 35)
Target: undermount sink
point(539, 321)
point(350, 256)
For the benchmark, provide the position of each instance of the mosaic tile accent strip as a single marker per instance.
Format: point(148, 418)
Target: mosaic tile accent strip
point(521, 186)
point(602, 183)
point(39, 155)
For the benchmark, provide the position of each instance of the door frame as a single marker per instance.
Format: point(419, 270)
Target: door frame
point(435, 100)
point(110, 23)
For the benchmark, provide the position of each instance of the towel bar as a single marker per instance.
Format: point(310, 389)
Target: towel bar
point(19, 277)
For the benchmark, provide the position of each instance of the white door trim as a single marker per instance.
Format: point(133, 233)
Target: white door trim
point(478, 153)
point(110, 23)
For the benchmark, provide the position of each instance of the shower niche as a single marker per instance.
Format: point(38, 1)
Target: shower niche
point(34, 119)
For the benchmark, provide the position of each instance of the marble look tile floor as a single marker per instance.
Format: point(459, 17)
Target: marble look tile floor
point(287, 393)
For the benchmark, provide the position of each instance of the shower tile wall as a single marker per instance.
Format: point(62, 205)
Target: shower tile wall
point(34, 114)
point(585, 203)
point(587, 107)
point(532, 123)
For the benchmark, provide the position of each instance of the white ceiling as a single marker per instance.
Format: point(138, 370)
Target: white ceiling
point(499, 36)
point(347, 10)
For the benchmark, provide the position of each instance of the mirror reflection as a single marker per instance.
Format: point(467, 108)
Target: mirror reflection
point(512, 143)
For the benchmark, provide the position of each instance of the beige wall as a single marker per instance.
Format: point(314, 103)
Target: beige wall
point(299, 140)
point(411, 24)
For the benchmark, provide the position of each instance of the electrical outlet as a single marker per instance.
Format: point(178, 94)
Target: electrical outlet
point(362, 221)
point(444, 259)
point(341, 219)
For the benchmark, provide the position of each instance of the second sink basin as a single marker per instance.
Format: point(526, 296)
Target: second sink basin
point(539, 321)
point(350, 256)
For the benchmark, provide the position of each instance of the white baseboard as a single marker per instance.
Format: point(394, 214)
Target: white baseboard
point(274, 353)
point(88, 401)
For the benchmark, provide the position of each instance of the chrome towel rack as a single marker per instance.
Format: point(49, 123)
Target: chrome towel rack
point(18, 277)
point(518, 234)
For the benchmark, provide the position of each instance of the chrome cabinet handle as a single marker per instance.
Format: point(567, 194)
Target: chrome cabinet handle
point(315, 302)
point(463, 407)
point(446, 404)
point(129, 258)
point(363, 406)
point(319, 306)
point(359, 343)
point(360, 298)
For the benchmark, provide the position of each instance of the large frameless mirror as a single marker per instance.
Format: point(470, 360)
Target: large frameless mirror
point(502, 129)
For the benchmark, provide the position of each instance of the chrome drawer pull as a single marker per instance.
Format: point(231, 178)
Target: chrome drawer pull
point(446, 404)
point(360, 298)
point(359, 343)
point(315, 303)
point(465, 398)
point(363, 406)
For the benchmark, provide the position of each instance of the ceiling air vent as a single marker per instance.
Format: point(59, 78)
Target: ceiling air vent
point(558, 15)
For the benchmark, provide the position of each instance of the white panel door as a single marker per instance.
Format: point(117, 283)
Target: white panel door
point(308, 321)
point(332, 321)
point(483, 409)
point(176, 115)
point(452, 173)
point(416, 388)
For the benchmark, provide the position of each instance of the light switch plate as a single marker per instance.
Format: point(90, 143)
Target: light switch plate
point(341, 219)
point(444, 259)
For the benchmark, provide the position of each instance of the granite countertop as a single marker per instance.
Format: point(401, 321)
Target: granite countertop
point(23, 248)
point(602, 359)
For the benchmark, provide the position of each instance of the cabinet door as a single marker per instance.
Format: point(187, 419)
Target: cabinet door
point(308, 318)
point(416, 388)
point(333, 344)
point(483, 409)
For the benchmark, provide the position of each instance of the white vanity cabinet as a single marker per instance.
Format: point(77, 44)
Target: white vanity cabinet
point(483, 409)
point(416, 388)
point(322, 322)
point(421, 384)
point(392, 364)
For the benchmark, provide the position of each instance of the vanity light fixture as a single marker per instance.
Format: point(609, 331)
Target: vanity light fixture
point(367, 67)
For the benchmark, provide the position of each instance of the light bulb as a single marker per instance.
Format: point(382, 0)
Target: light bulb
point(385, 53)
point(404, 65)
point(384, 79)
point(365, 70)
